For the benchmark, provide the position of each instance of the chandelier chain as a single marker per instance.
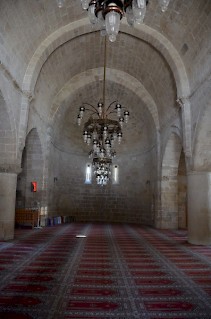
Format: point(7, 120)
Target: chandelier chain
point(104, 73)
point(102, 130)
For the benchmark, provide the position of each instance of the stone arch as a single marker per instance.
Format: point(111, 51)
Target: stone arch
point(115, 76)
point(83, 26)
point(169, 182)
point(165, 47)
point(32, 170)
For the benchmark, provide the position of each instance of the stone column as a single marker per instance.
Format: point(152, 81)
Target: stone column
point(8, 181)
point(184, 103)
point(158, 207)
point(199, 208)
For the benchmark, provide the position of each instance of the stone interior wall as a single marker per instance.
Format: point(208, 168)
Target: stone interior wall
point(7, 143)
point(169, 182)
point(129, 201)
point(182, 201)
point(182, 193)
point(7, 205)
point(32, 170)
point(201, 127)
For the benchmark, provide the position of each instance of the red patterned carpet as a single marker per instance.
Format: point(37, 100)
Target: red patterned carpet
point(117, 271)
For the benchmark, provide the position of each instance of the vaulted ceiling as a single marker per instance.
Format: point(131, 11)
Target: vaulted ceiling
point(57, 57)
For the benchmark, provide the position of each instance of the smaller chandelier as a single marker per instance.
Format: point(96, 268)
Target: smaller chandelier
point(102, 130)
point(102, 170)
point(101, 133)
point(107, 14)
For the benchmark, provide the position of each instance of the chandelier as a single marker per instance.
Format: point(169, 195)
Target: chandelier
point(102, 131)
point(108, 13)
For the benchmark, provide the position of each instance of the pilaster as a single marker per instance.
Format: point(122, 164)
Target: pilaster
point(199, 208)
point(8, 182)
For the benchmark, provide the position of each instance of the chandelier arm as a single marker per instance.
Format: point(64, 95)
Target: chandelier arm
point(91, 106)
point(92, 112)
point(123, 107)
point(111, 105)
point(111, 112)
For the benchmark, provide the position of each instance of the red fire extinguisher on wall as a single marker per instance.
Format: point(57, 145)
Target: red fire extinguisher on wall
point(33, 186)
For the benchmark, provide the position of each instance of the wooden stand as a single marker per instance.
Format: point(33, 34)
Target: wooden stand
point(27, 217)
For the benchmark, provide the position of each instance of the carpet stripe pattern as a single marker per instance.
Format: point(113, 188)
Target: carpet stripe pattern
point(116, 271)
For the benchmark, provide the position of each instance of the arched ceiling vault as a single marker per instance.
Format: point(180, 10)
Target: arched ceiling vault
point(95, 75)
point(144, 45)
point(26, 24)
point(82, 27)
point(139, 135)
point(161, 58)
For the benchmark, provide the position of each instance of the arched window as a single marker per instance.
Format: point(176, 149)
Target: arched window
point(115, 174)
point(88, 179)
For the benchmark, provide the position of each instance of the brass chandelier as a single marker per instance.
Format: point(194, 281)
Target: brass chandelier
point(102, 131)
point(107, 14)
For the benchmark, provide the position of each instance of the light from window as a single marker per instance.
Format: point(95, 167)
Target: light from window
point(88, 179)
point(115, 174)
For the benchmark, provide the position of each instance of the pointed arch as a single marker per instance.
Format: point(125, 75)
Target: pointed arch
point(83, 26)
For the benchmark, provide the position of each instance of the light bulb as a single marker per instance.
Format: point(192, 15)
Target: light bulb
point(88, 139)
point(103, 32)
point(141, 3)
point(91, 14)
point(138, 13)
point(121, 121)
point(60, 3)
point(112, 37)
point(118, 109)
point(85, 136)
point(129, 16)
point(112, 20)
point(126, 115)
point(81, 111)
point(164, 4)
point(100, 19)
point(85, 4)
point(100, 108)
point(79, 120)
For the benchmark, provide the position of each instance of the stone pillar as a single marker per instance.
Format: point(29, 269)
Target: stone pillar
point(185, 105)
point(158, 207)
point(8, 181)
point(199, 208)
